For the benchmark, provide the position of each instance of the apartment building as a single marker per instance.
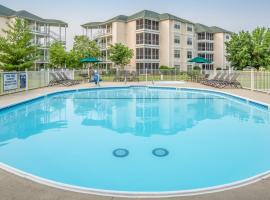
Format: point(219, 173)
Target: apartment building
point(45, 31)
point(160, 39)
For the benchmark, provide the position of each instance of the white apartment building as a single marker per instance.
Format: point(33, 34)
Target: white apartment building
point(160, 39)
point(45, 31)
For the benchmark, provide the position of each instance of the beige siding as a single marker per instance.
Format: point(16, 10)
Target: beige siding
point(219, 50)
point(165, 42)
point(131, 40)
point(3, 24)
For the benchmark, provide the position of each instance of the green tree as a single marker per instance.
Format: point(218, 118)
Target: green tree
point(249, 49)
point(120, 54)
point(57, 55)
point(260, 39)
point(72, 60)
point(84, 47)
point(17, 52)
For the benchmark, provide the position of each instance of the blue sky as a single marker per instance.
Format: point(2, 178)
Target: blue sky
point(234, 15)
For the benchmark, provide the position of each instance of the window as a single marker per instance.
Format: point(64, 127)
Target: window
point(176, 53)
point(139, 53)
point(189, 54)
point(155, 25)
point(177, 40)
point(147, 24)
point(201, 46)
point(209, 36)
point(177, 26)
point(148, 38)
point(189, 28)
point(207, 66)
point(148, 53)
point(139, 24)
point(139, 38)
point(205, 46)
point(227, 37)
point(189, 68)
point(189, 41)
point(149, 66)
point(155, 54)
point(201, 36)
point(155, 39)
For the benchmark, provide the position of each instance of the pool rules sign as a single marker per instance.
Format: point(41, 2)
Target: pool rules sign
point(10, 81)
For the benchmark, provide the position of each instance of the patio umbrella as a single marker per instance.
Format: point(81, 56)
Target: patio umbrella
point(200, 60)
point(89, 60)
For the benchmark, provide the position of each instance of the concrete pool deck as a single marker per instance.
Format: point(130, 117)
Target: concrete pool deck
point(15, 187)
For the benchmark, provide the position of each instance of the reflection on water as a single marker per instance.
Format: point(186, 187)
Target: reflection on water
point(141, 112)
point(148, 111)
point(31, 119)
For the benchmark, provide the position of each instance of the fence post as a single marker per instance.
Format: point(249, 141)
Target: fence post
point(48, 76)
point(73, 74)
point(252, 84)
point(27, 79)
point(146, 75)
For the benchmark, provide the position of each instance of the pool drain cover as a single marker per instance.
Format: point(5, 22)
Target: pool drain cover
point(160, 152)
point(120, 153)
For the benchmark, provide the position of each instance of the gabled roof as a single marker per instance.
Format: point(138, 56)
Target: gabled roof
point(7, 12)
point(4, 11)
point(55, 22)
point(167, 16)
point(27, 15)
point(200, 28)
point(142, 14)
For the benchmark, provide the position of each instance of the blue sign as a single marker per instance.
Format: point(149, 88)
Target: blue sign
point(22, 80)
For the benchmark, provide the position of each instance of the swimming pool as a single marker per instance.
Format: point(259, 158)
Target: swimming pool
point(137, 139)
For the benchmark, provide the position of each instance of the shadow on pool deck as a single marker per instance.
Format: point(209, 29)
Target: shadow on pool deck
point(13, 187)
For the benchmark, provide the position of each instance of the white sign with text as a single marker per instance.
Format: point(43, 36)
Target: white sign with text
point(10, 81)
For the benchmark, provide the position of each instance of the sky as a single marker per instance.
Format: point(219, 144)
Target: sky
point(233, 15)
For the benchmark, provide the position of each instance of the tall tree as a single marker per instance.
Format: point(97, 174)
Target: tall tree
point(72, 60)
point(120, 54)
point(260, 39)
point(17, 52)
point(249, 49)
point(84, 47)
point(57, 55)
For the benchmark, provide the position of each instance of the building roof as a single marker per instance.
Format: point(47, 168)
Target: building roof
point(156, 16)
point(7, 12)
point(167, 16)
point(142, 14)
point(200, 28)
point(4, 11)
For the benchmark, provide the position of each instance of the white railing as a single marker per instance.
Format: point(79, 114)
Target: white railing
point(11, 82)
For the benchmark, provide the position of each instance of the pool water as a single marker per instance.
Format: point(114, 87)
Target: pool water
point(137, 139)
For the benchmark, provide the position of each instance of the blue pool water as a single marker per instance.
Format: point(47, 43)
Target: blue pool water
point(137, 139)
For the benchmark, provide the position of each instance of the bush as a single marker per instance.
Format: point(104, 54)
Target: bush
point(163, 67)
point(197, 68)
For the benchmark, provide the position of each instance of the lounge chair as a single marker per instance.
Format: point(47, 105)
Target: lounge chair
point(232, 82)
point(56, 81)
point(216, 79)
point(66, 79)
point(206, 82)
point(221, 81)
